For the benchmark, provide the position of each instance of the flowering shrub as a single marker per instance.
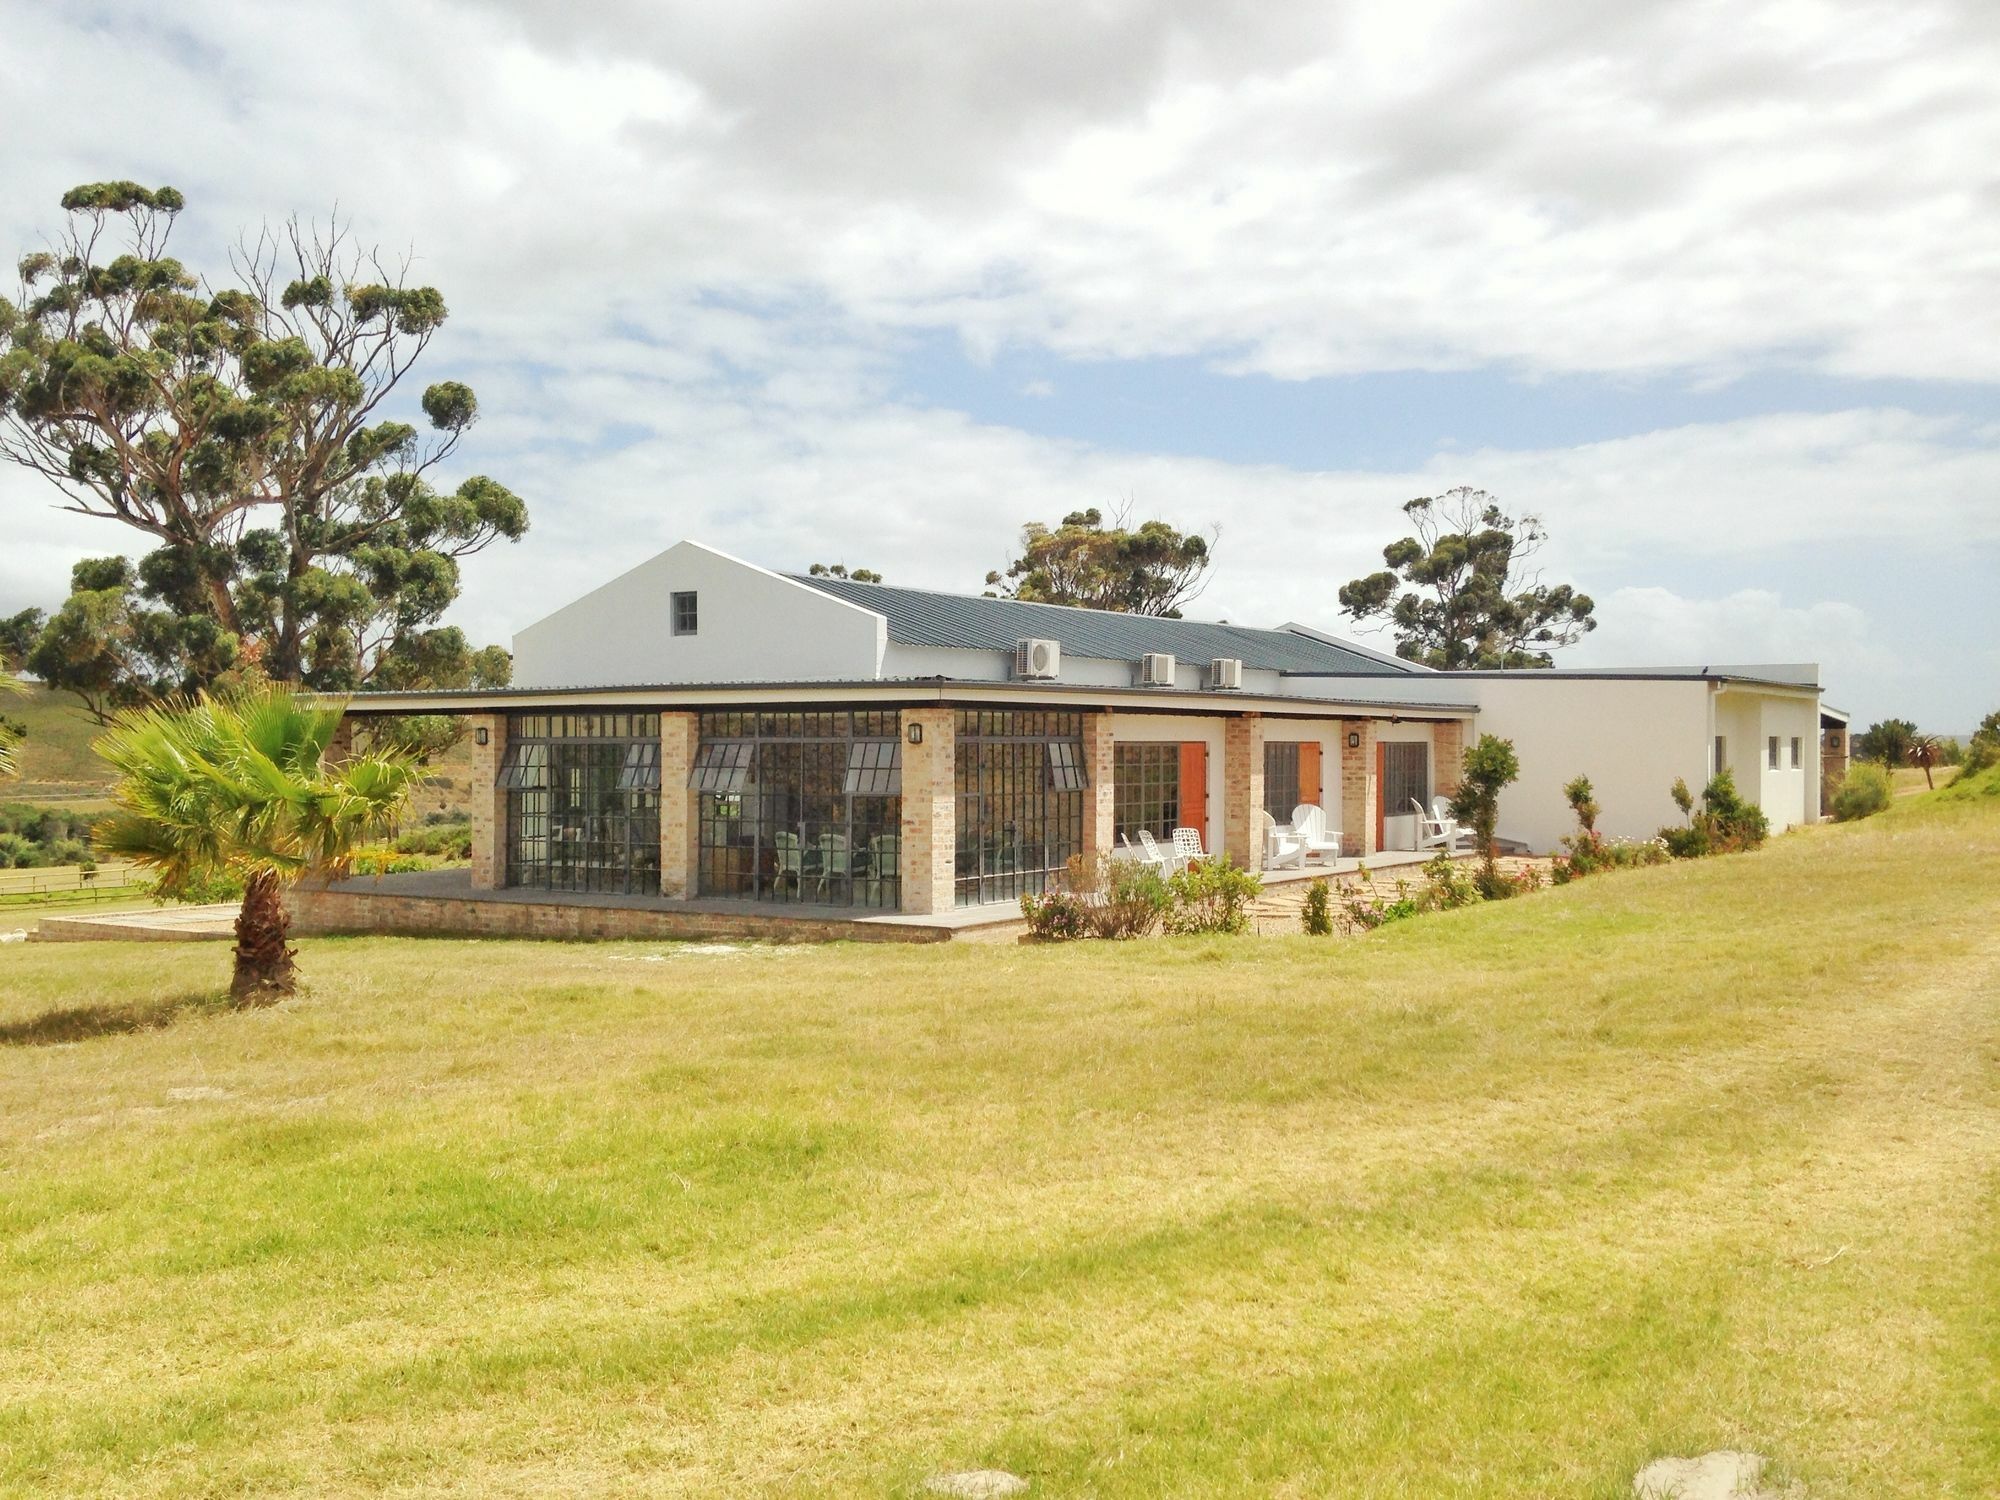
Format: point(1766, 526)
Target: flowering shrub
point(1100, 897)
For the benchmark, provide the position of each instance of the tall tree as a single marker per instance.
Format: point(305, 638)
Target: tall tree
point(237, 785)
point(1149, 569)
point(1888, 741)
point(249, 430)
point(1459, 593)
point(11, 731)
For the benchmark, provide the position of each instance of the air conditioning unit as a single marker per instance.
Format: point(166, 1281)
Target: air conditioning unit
point(1037, 659)
point(1156, 669)
point(1225, 673)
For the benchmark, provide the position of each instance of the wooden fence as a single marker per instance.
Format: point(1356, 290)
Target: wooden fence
point(112, 880)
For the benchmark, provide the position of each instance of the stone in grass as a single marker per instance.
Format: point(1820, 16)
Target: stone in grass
point(978, 1484)
point(1722, 1475)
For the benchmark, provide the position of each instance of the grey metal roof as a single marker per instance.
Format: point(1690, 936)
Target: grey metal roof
point(918, 617)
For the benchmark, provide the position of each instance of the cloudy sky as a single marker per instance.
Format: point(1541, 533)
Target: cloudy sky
point(1713, 288)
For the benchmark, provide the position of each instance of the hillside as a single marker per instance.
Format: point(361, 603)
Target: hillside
point(58, 766)
point(1495, 1203)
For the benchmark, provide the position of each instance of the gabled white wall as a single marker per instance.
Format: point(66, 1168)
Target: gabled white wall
point(754, 627)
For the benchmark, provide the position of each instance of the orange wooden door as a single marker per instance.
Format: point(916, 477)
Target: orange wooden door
point(1381, 774)
point(1194, 788)
point(1309, 784)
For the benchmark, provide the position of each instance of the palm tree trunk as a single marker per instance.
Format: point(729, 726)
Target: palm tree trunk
point(264, 972)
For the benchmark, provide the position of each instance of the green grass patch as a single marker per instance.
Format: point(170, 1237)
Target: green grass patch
point(1496, 1202)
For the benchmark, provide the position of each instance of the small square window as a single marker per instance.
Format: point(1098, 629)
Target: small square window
point(874, 768)
point(721, 766)
point(1066, 766)
point(686, 615)
point(525, 767)
point(641, 771)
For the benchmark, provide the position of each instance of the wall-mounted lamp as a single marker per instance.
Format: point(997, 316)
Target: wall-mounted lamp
point(481, 735)
point(1354, 739)
point(916, 734)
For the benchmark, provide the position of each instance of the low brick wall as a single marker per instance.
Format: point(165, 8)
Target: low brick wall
point(360, 913)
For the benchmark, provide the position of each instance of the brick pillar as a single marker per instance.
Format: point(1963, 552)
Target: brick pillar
point(488, 800)
point(929, 844)
point(680, 824)
point(1358, 790)
point(1243, 789)
point(1447, 756)
point(1099, 829)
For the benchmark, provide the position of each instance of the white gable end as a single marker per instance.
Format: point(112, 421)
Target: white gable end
point(749, 625)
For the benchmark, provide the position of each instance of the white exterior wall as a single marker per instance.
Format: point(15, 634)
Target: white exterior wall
point(1750, 717)
point(1631, 738)
point(753, 626)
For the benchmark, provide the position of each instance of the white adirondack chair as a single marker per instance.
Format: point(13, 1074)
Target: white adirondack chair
point(1441, 810)
point(1282, 846)
point(1434, 832)
point(1309, 823)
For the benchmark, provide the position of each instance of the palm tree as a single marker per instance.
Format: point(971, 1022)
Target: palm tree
point(1925, 752)
point(237, 785)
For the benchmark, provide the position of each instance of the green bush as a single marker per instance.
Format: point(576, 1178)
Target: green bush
point(1211, 895)
point(1056, 916)
point(1725, 823)
point(386, 862)
point(1866, 790)
point(1316, 916)
point(451, 841)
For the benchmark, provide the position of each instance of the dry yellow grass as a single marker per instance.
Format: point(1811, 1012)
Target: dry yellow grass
point(1500, 1202)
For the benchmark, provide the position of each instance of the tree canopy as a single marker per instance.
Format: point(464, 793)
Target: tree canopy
point(1888, 741)
point(1149, 569)
point(1459, 594)
point(251, 429)
point(839, 570)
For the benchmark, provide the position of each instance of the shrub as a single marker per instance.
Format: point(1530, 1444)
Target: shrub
point(1984, 748)
point(1726, 824)
point(1316, 916)
point(1447, 886)
point(1866, 790)
point(1211, 895)
point(1583, 802)
point(1056, 916)
point(1490, 765)
point(1364, 908)
point(1100, 897)
point(451, 840)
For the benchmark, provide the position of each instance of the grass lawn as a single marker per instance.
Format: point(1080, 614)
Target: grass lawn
point(1503, 1202)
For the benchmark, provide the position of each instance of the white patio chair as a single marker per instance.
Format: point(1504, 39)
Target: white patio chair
point(789, 864)
point(1187, 845)
point(1150, 853)
point(1282, 846)
point(1441, 810)
point(1434, 832)
point(1309, 823)
point(832, 860)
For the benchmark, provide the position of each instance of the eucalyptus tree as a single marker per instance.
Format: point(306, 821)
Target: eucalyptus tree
point(256, 428)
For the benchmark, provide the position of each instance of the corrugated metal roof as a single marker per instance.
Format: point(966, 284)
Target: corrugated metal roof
point(918, 617)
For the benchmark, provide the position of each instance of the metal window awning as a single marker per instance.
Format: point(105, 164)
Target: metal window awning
point(721, 766)
point(874, 768)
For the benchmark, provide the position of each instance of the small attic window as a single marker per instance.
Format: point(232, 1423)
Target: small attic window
point(686, 614)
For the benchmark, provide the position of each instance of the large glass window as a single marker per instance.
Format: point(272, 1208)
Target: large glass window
point(1406, 777)
point(1146, 790)
point(800, 807)
point(583, 802)
point(1020, 802)
point(1281, 779)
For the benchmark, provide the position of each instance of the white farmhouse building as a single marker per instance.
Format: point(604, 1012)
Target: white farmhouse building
point(707, 738)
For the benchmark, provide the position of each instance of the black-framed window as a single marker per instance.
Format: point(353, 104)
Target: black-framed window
point(1771, 751)
point(1020, 779)
point(1146, 790)
point(800, 807)
point(1797, 747)
point(1406, 777)
point(1281, 778)
point(583, 801)
point(687, 614)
